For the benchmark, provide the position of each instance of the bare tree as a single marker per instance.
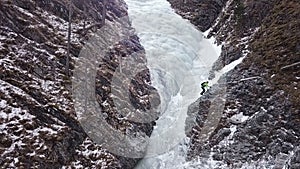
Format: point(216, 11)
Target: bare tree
point(85, 16)
point(69, 39)
point(104, 12)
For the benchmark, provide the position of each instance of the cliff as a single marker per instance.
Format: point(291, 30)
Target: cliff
point(261, 119)
point(39, 125)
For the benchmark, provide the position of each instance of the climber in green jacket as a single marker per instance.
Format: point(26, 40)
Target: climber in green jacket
point(204, 85)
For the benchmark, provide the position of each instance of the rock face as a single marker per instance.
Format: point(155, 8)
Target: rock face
point(261, 118)
point(39, 126)
point(201, 13)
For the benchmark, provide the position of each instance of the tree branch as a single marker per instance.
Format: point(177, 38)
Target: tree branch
point(291, 65)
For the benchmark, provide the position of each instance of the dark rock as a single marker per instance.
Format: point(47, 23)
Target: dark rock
point(272, 106)
point(40, 126)
point(200, 13)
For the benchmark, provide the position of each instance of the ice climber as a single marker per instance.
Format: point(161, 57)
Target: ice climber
point(204, 86)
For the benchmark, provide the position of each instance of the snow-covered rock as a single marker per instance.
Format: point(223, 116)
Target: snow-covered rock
point(39, 126)
point(260, 125)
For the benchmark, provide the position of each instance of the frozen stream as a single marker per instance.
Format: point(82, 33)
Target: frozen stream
point(179, 59)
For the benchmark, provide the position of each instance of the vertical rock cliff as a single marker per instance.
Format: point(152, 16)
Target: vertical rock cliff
point(39, 126)
point(261, 118)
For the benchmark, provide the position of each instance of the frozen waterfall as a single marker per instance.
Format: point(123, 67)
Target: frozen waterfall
point(179, 58)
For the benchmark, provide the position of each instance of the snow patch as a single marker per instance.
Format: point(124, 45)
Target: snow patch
point(224, 10)
point(3, 103)
point(239, 118)
point(25, 12)
point(229, 139)
point(225, 69)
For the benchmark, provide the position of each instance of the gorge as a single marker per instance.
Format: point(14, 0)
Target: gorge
point(132, 98)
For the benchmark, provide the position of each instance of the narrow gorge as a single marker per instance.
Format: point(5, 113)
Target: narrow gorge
point(115, 84)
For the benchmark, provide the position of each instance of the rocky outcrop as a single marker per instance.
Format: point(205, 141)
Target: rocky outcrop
point(260, 122)
point(201, 13)
point(39, 126)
